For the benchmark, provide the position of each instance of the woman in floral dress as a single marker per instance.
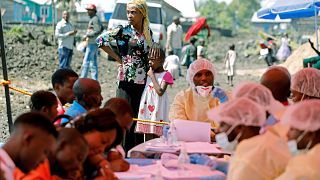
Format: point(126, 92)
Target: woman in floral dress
point(133, 42)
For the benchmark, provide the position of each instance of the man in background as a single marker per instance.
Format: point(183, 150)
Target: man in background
point(90, 57)
point(65, 33)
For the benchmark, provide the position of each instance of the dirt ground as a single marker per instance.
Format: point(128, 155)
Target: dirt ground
point(31, 63)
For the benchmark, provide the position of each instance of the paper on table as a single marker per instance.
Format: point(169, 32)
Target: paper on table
point(161, 147)
point(192, 131)
point(133, 173)
point(192, 171)
point(202, 147)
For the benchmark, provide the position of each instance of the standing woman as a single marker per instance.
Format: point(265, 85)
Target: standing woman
point(230, 64)
point(133, 41)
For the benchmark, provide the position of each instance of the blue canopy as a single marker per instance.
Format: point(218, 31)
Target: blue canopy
point(290, 9)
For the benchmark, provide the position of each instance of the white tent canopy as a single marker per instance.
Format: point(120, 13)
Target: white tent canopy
point(255, 19)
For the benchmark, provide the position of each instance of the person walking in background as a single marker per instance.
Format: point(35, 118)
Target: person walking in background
point(284, 51)
point(175, 38)
point(90, 58)
point(190, 52)
point(65, 33)
point(230, 63)
point(270, 57)
point(201, 50)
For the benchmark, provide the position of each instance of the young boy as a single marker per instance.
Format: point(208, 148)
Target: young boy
point(62, 82)
point(172, 64)
point(45, 102)
point(32, 139)
point(201, 50)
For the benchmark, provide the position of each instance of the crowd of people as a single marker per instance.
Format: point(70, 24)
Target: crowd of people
point(270, 129)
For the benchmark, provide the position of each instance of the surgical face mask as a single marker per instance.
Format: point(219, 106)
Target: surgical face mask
point(204, 91)
point(224, 143)
point(293, 145)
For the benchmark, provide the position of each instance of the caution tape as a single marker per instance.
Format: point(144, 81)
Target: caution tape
point(8, 82)
point(149, 121)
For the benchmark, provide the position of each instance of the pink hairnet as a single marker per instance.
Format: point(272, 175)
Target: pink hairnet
point(307, 81)
point(259, 94)
point(198, 65)
point(239, 111)
point(304, 115)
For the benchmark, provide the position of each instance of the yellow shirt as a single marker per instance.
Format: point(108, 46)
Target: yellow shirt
point(188, 105)
point(304, 166)
point(262, 157)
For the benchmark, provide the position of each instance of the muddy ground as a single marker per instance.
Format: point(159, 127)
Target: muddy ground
point(32, 58)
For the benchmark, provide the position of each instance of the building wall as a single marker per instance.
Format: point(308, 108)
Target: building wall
point(9, 10)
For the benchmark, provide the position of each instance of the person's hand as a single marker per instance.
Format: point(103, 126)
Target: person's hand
point(119, 165)
point(71, 33)
point(155, 50)
point(150, 72)
point(105, 173)
point(85, 38)
point(114, 155)
point(203, 160)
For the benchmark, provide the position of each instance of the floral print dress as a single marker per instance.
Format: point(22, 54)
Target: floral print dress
point(133, 50)
point(154, 107)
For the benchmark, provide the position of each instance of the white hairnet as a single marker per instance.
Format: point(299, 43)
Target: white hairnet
point(304, 115)
point(198, 65)
point(307, 81)
point(239, 111)
point(259, 94)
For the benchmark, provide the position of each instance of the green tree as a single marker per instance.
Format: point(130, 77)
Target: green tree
point(243, 11)
point(236, 15)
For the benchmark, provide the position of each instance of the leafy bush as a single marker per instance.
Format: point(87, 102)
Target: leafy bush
point(16, 31)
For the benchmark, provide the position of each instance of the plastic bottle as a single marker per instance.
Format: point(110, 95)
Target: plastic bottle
point(172, 135)
point(183, 158)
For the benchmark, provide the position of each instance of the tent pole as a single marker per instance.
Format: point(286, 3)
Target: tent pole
point(5, 75)
point(316, 23)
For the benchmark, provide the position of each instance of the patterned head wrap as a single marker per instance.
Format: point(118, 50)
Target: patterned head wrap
point(141, 5)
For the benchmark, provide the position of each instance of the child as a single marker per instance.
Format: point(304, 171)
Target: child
point(172, 64)
point(154, 104)
point(190, 53)
point(201, 50)
point(45, 102)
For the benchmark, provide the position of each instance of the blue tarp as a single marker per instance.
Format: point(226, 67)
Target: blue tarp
point(290, 9)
